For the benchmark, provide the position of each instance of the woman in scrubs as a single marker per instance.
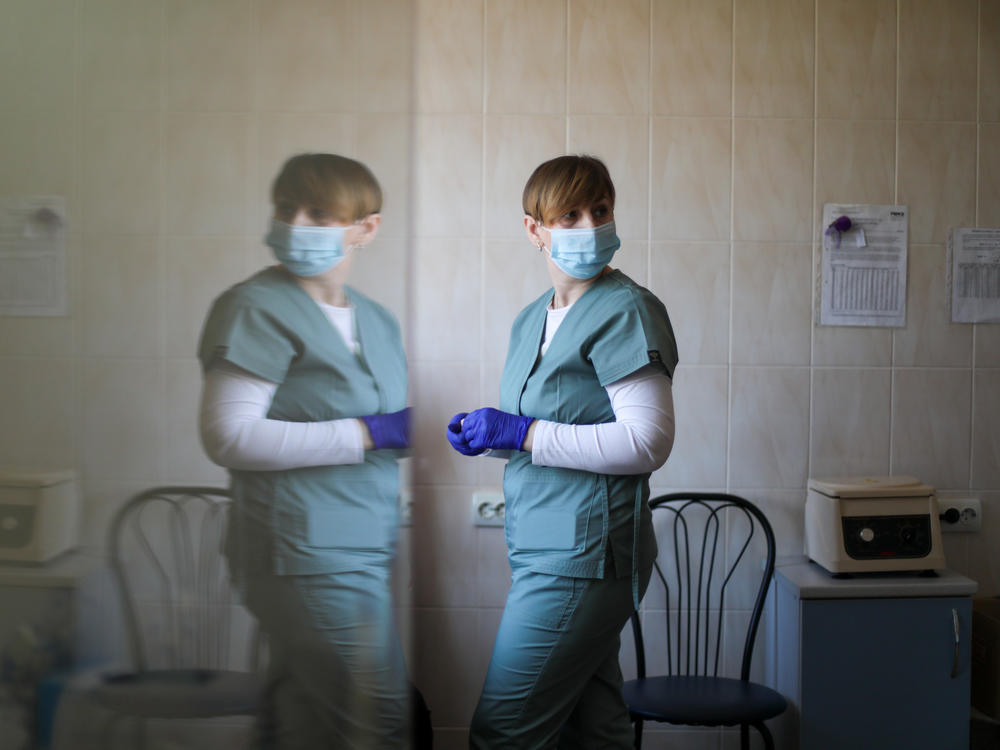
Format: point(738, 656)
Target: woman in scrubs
point(304, 402)
point(586, 414)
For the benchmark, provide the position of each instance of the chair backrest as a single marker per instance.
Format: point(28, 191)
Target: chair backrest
point(716, 555)
point(178, 603)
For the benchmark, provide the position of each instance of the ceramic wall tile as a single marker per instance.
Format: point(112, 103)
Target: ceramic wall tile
point(849, 432)
point(438, 391)
point(41, 415)
point(447, 322)
point(40, 158)
point(937, 177)
point(448, 56)
point(514, 146)
point(691, 163)
point(698, 457)
point(775, 51)
point(855, 163)
point(121, 279)
point(931, 426)
point(207, 165)
point(386, 38)
point(120, 173)
point(306, 56)
point(443, 575)
point(526, 57)
point(384, 145)
point(632, 259)
point(769, 427)
point(122, 428)
point(988, 208)
point(449, 176)
point(930, 339)
point(773, 172)
point(692, 57)
point(184, 460)
point(208, 55)
point(849, 346)
point(937, 59)
point(987, 345)
point(622, 143)
point(856, 62)
point(36, 60)
point(119, 63)
point(608, 57)
point(772, 295)
point(986, 429)
point(382, 271)
point(196, 271)
point(989, 62)
point(516, 276)
point(692, 280)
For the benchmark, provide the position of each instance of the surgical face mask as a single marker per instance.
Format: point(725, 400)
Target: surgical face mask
point(306, 251)
point(584, 252)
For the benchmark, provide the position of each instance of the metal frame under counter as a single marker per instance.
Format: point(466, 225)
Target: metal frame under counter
point(872, 661)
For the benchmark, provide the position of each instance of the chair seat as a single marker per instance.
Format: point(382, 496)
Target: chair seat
point(181, 693)
point(708, 701)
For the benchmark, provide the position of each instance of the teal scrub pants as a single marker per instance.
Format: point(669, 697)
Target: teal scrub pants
point(554, 679)
point(336, 676)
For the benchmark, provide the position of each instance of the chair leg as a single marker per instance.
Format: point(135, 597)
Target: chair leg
point(765, 733)
point(744, 737)
point(638, 734)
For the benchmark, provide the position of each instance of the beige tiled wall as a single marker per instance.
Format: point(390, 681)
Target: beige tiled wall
point(726, 125)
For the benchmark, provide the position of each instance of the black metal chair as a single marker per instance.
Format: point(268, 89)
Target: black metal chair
point(178, 608)
point(706, 563)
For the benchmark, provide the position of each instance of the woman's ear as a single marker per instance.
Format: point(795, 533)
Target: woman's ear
point(531, 227)
point(368, 227)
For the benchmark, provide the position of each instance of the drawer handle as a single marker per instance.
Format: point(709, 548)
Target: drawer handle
point(954, 661)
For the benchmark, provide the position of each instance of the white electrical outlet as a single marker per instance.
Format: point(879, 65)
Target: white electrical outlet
point(960, 513)
point(488, 508)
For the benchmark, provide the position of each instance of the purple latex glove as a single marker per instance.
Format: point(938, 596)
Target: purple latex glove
point(389, 430)
point(492, 428)
point(457, 439)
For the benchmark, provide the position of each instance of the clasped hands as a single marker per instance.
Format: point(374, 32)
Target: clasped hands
point(471, 433)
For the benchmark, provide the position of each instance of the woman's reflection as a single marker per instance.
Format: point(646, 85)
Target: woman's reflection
point(304, 402)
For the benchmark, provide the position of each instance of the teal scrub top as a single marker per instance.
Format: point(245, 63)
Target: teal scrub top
point(562, 521)
point(321, 519)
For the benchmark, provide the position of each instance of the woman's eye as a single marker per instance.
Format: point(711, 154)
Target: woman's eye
point(601, 211)
point(319, 214)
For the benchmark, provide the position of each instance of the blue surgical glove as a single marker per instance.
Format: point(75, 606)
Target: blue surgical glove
point(389, 430)
point(492, 428)
point(457, 439)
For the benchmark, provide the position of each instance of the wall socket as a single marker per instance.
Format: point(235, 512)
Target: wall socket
point(960, 513)
point(488, 508)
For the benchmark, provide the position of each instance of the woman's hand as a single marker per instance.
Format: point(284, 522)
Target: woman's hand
point(388, 430)
point(482, 429)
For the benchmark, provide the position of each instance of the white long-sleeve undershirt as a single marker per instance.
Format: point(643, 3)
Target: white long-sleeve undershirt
point(637, 442)
point(237, 434)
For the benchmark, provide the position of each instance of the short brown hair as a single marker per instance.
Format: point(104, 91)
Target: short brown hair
point(344, 187)
point(559, 184)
